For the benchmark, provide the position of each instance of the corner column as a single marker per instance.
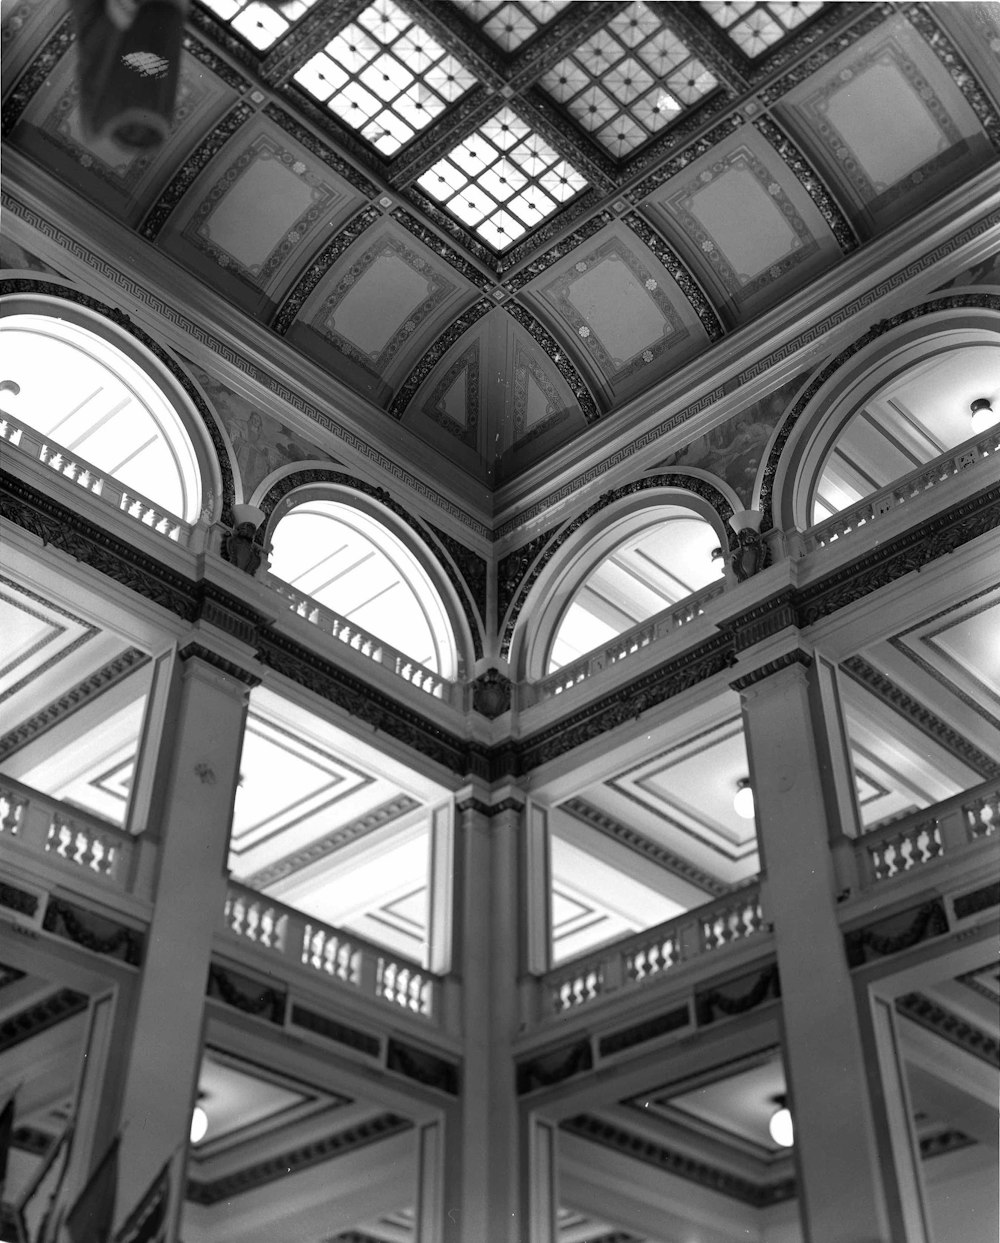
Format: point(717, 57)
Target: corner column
point(845, 1193)
point(186, 779)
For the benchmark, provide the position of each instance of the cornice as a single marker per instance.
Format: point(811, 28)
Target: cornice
point(670, 1160)
point(951, 1027)
point(303, 1157)
point(851, 582)
point(34, 1019)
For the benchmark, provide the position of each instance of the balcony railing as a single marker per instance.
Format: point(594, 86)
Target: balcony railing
point(629, 964)
point(623, 645)
point(55, 832)
point(103, 487)
point(366, 644)
point(340, 957)
point(923, 836)
point(957, 461)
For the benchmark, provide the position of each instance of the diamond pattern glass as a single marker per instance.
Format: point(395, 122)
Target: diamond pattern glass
point(384, 76)
point(260, 24)
point(627, 81)
point(509, 23)
point(502, 181)
point(755, 27)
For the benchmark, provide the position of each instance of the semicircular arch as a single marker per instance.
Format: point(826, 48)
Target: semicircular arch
point(627, 518)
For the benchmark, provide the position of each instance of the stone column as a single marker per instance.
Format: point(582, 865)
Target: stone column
point(471, 1181)
point(845, 1194)
point(189, 760)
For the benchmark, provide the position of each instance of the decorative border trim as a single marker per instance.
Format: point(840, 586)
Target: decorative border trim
point(433, 355)
point(951, 1027)
point(681, 274)
point(473, 568)
point(284, 120)
point(196, 651)
point(441, 248)
point(765, 986)
point(296, 1159)
point(554, 1066)
point(670, 168)
point(811, 182)
point(639, 1148)
point(249, 996)
point(164, 206)
point(84, 692)
point(36, 74)
point(845, 40)
point(928, 722)
point(314, 273)
point(635, 841)
point(922, 19)
point(542, 337)
point(561, 249)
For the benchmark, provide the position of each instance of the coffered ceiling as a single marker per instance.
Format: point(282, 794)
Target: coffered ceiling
point(498, 224)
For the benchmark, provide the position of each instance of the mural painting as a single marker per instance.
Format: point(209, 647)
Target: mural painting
point(733, 451)
point(260, 443)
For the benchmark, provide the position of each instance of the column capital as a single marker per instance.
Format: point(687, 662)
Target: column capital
point(198, 651)
point(798, 659)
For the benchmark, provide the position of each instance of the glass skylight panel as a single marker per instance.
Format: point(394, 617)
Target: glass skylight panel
point(509, 24)
point(755, 27)
point(629, 79)
point(503, 180)
point(385, 76)
point(259, 23)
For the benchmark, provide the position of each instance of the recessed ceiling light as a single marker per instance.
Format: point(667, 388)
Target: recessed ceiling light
point(743, 803)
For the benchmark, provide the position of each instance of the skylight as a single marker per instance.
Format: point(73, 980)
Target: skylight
point(510, 25)
point(755, 27)
point(503, 180)
point(260, 24)
point(627, 81)
point(385, 77)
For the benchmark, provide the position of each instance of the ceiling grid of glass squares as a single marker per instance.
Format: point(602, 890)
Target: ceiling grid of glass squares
point(503, 180)
point(259, 23)
point(510, 24)
point(626, 82)
point(385, 77)
point(754, 27)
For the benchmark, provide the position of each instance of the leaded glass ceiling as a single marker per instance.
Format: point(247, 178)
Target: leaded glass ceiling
point(261, 24)
point(756, 27)
point(510, 25)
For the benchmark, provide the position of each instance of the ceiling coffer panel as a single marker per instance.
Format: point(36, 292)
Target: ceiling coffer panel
point(745, 223)
point(379, 309)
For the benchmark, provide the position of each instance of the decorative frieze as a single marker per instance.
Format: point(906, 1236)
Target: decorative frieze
point(896, 933)
point(422, 1066)
point(93, 932)
point(738, 996)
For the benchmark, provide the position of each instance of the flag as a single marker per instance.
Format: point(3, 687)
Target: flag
point(147, 1223)
point(6, 1132)
point(91, 1217)
point(39, 1199)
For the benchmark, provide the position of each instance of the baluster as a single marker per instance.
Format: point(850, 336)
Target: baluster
point(12, 811)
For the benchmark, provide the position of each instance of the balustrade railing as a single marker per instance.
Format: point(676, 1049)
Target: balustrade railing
point(366, 644)
point(923, 836)
point(623, 645)
point(54, 831)
point(254, 918)
point(91, 479)
point(736, 917)
point(916, 483)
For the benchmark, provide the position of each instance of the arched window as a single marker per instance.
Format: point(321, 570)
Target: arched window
point(353, 564)
point(77, 387)
point(655, 560)
point(908, 421)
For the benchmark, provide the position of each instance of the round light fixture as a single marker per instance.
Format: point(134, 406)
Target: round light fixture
point(983, 416)
point(781, 1128)
point(743, 799)
point(199, 1124)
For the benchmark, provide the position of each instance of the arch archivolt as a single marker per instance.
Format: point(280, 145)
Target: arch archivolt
point(842, 385)
point(564, 563)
